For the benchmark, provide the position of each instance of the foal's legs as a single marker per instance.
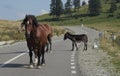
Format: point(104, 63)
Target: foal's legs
point(74, 43)
point(72, 46)
point(85, 46)
point(76, 46)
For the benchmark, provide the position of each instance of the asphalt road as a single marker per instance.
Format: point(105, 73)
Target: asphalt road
point(14, 60)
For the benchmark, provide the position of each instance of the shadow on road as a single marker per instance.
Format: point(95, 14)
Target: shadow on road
point(14, 65)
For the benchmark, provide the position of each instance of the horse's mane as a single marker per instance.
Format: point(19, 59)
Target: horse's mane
point(35, 22)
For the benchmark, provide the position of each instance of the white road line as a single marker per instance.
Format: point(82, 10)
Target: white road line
point(72, 55)
point(10, 60)
point(73, 63)
point(73, 67)
point(5, 63)
point(73, 72)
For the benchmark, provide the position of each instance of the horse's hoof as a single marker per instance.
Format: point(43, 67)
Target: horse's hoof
point(38, 67)
point(31, 66)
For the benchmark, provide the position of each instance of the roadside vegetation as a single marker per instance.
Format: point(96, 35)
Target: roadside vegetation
point(9, 31)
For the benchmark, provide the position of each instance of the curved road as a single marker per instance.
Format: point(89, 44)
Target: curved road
point(14, 58)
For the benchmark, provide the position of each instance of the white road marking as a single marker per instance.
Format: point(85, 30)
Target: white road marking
point(73, 67)
point(72, 55)
point(73, 72)
point(5, 63)
point(73, 63)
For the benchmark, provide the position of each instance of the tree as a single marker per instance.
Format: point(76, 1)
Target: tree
point(53, 7)
point(76, 4)
point(56, 8)
point(113, 7)
point(118, 1)
point(68, 7)
point(94, 7)
point(83, 3)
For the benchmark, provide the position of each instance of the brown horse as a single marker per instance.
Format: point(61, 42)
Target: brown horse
point(36, 37)
point(47, 28)
point(49, 32)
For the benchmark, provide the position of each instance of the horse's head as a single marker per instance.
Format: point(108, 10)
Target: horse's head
point(29, 22)
point(66, 35)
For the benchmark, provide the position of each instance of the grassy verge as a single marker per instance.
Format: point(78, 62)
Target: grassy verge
point(9, 31)
point(113, 50)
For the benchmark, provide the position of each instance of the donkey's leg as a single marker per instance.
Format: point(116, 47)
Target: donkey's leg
point(72, 46)
point(47, 44)
point(76, 46)
point(85, 46)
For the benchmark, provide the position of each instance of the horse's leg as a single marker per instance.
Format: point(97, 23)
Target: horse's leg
point(42, 54)
point(31, 61)
point(35, 52)
point(39, 54)
point(50, 42)
point(47, 44)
